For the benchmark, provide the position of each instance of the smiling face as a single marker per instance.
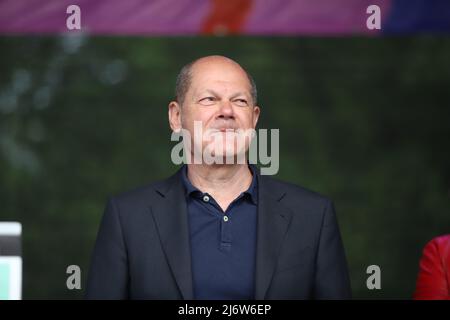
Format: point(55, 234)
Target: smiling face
point(219, 96)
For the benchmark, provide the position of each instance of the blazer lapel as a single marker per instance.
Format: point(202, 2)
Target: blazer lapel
point(273, 222)
point(170, 215)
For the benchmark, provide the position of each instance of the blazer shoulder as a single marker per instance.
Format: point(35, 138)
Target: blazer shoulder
point(143, 195)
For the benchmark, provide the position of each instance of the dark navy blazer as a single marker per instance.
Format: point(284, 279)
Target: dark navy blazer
point(143, 252)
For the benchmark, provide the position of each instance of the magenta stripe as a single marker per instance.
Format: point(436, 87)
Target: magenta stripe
point(326, 17)
point(185, 17)
point(154, 17)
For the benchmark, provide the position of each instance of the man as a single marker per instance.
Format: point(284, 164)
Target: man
point(218, 231)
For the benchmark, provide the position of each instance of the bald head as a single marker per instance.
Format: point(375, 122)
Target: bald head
point(184, 78)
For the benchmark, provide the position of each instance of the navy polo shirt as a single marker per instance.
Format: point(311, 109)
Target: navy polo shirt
point(223, 244)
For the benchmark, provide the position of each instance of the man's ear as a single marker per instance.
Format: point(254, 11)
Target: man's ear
point(256, 112)
point(175, 116)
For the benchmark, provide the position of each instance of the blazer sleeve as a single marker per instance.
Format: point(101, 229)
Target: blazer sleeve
point(108, 274)
point(331, 279)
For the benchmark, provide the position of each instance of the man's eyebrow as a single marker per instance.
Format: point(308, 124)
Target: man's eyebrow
point(210, 92)
point(214, 93)
point(239, 94)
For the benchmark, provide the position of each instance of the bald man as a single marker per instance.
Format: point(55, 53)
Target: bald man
point(218, 230)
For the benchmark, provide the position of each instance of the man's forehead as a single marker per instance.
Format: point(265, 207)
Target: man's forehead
point(216, 61)
point(217, 69)
point(221, 87)
point(207, 75)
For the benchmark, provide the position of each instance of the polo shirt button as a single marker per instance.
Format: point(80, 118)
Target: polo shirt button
point(205, 198)
point(225, 218)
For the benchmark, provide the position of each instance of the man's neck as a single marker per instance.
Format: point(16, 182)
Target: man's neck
point(224, 182)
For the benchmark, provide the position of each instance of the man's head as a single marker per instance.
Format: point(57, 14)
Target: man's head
point(185, 76)
point(218, 92)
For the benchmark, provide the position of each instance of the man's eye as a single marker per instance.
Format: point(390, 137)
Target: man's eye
point(207, 100)
point(241, 102)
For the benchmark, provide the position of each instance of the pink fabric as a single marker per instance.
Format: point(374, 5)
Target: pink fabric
point(130, 17)
point(186, 17)
point(312, 17)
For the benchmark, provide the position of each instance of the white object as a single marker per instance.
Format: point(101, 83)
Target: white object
point(10, 265)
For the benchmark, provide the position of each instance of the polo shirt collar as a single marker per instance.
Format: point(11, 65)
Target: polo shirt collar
point(252, 190)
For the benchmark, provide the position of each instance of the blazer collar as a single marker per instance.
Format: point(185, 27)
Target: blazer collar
point(273, 222)
point(171, 219)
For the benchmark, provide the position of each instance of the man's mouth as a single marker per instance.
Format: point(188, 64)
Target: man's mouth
point(223, 129)
point(226, 130)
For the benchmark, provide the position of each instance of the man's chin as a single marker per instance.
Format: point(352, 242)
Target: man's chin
point(226, 157)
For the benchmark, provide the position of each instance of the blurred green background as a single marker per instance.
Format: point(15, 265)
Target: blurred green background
point(362, 120)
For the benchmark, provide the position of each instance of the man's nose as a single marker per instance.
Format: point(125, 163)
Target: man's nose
point(226, 109)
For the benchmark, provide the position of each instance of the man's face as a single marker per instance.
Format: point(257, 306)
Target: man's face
point(219, 97)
